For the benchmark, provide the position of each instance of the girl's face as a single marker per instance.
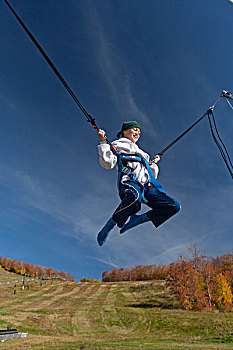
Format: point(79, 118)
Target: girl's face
point(132, 134)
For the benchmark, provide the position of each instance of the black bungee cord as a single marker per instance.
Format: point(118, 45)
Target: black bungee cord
point(90, 119)
point(183, 134)
point(217, 139)
point(225, 94)
point(214, 132)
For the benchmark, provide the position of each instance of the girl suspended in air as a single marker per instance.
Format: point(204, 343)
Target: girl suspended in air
point(137, 182)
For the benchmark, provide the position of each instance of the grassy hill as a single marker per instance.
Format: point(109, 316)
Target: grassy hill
point(124, 315)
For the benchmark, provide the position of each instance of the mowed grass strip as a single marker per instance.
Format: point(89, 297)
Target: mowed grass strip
point(124, 315)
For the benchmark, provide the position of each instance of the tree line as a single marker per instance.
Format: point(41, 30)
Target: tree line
point(201, 283)
point(31, 270)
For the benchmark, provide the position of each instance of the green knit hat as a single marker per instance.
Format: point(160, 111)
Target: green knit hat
point(128, 125)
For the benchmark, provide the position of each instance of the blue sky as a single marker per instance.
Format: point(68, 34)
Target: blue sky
point(162, 63)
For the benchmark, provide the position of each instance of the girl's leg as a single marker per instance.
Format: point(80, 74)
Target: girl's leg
point(105, 232)
point(130, 194)
point(135, 220)
point(163, 207)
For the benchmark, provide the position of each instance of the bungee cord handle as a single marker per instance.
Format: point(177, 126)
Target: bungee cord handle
point(226, 94)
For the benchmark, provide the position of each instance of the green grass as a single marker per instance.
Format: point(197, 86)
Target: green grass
point(126, 315)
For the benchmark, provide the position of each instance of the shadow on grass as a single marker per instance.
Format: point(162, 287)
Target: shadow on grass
point(168, 306)
point(228, 339)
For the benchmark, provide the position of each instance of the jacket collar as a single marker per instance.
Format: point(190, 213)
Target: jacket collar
point(125, 140)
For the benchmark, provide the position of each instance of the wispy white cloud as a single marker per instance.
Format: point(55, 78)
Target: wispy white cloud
point(81, 218)
point(106, 261)
point(80, 215)
point(114, 70)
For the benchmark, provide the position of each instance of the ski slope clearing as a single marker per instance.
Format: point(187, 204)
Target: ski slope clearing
point(123, 315)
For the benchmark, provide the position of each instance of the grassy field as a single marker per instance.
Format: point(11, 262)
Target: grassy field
point(125, 315)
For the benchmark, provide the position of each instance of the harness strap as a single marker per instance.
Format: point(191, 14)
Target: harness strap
point(128, 171)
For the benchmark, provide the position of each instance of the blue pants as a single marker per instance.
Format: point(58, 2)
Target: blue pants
point(162, 206)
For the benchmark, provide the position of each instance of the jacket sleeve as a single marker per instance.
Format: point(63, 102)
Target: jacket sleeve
point(155, 169)
point(106, 158)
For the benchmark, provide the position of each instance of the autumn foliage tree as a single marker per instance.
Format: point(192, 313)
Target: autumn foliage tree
point(22, 268)
point(136, 273)
point(200, 283)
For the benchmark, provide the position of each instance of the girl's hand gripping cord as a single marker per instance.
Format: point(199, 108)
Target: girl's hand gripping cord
point(156, 159)
point(101, 134)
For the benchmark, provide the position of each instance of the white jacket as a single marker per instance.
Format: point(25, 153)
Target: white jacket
point(108, 160)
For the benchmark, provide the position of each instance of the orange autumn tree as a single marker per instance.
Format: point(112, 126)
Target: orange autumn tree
point(136, 273)
point(201, 283)
point(22, 268)
point(192, 280)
